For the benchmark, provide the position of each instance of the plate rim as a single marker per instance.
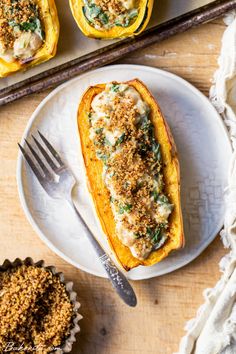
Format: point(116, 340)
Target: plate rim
point(19, 166)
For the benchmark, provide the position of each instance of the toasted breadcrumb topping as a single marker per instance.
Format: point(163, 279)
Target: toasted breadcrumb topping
point(124, 138)
point(17, 12)
point(116, 6)
point(35, 309)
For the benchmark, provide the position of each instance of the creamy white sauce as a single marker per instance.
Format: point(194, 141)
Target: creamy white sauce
point(6, 54)
point(128, 4)
point(27, 45)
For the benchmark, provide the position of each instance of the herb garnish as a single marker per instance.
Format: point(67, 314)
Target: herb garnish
point(115, 88)
point(120, 139)
point(125, 208)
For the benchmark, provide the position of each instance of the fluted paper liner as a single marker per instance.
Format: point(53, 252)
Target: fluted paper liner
point(66, 347)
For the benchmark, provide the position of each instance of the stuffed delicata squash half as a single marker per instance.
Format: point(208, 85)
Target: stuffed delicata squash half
point(28, 34)
point(132, 170)
point(107, 19)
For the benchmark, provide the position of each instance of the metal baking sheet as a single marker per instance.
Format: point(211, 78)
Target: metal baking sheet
point(77, 53)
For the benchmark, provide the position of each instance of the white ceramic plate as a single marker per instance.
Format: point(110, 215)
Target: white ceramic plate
point(204, 151)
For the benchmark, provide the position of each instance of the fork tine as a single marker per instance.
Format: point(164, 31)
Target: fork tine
point(40, 162)
point(32, 165)
point(45, 154)
point(51, 149)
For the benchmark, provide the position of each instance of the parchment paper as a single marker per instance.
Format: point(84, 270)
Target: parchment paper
point(73, 44)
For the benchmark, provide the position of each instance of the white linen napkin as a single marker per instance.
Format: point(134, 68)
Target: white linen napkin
point(213, 331)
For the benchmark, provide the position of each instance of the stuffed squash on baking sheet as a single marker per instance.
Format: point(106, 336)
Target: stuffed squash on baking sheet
point(28, 34)
point(132, 170)
point(107, 19)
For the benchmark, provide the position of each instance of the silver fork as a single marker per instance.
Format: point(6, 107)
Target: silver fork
point(58, 181)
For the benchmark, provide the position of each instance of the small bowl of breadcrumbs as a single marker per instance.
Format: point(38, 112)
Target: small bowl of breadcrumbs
point(38, 309)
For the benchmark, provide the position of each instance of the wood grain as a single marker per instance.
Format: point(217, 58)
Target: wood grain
point(115, 51)
point(164, 303)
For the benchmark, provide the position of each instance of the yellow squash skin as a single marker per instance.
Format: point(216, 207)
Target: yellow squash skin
point(100, 193)
point(145, 11)
point(48, 50)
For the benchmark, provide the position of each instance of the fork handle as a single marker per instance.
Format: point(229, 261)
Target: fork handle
point(117, 278)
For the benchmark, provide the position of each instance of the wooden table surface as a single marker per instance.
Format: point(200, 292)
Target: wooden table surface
point(165, 303)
